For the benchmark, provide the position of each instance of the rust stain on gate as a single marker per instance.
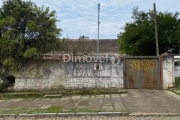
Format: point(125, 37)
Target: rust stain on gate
point(142, 73)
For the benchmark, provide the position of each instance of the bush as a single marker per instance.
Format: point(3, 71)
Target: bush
point(3, 86)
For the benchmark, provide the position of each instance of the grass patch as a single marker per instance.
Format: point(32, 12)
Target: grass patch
point(176, 92)
point(91, 91)
point(52, 109)
point(177, 82)
point(178, 87)
point(65, 92)
point(75, 110)
point(21, 95)
point(14, 110)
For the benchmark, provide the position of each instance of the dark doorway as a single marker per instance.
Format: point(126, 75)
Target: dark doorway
point(10, 80)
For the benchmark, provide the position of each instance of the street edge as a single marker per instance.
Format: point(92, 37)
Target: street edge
point(88, 114)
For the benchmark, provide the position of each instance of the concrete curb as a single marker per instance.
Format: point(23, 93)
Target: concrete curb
point(39, 115)
point(9, 115)
point(154, 114)
point(88, 114)
point(65, 114)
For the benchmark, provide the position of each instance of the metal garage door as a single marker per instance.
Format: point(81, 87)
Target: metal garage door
point(142, 73)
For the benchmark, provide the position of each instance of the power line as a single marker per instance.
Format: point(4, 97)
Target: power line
point(86, 5)
point(102, 10)
point(70, 11)
point(117, 9)
point(93, 1)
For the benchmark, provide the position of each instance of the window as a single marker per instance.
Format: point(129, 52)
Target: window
point(177, 63)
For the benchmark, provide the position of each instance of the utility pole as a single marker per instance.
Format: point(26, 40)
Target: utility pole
point(98, 29)
point(156, 31)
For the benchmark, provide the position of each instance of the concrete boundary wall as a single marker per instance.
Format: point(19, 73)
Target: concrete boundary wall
point(55, 74)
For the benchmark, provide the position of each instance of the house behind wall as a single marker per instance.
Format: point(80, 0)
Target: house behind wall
point(177, 66)
point(52, 73)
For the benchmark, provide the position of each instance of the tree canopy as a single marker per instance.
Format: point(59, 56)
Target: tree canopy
point(26, 31)
point(138, 37)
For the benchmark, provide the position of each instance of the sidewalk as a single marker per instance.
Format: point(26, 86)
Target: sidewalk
point(134, 102)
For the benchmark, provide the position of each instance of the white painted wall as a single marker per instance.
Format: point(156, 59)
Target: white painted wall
point(83, 75)
point(168, 71)
point(51, 74)
point(40, 75)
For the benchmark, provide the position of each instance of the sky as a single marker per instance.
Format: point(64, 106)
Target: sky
point(80, 17)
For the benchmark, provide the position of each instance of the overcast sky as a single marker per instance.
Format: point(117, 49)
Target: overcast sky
point(79, 17)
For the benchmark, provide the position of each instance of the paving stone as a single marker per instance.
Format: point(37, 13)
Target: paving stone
point(119, 107)
point(76, 97)
point(99, 96)
point(2, 101)
point(123, 95)
point(93, 96)
point(62, 102)
point(11, 103)
point(36, 102)
point(17, 100)
point(45, 106)
point(151, 101)
point(115, 95)
point(84, 101)
point(72, 103)
point(106, 101)
point(65, 98)
point(116, 99)
point(95, 104)
point(107, 108)
point(47, 99)
point(23, 103)
point(107, 96)
point(37, 105)
point(86, 97)
point(147, 101)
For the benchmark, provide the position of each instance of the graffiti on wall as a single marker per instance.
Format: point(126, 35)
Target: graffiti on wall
point(146, 65)
point(84, 72)
point(87, 70)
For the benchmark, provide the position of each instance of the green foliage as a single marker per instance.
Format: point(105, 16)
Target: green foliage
point(3, 82)
point(138, 37)
point(26, 31)
point(3, 86)
point(30, 53)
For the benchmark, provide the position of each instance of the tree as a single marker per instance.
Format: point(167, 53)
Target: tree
point(138, 37)
point(26, 31)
